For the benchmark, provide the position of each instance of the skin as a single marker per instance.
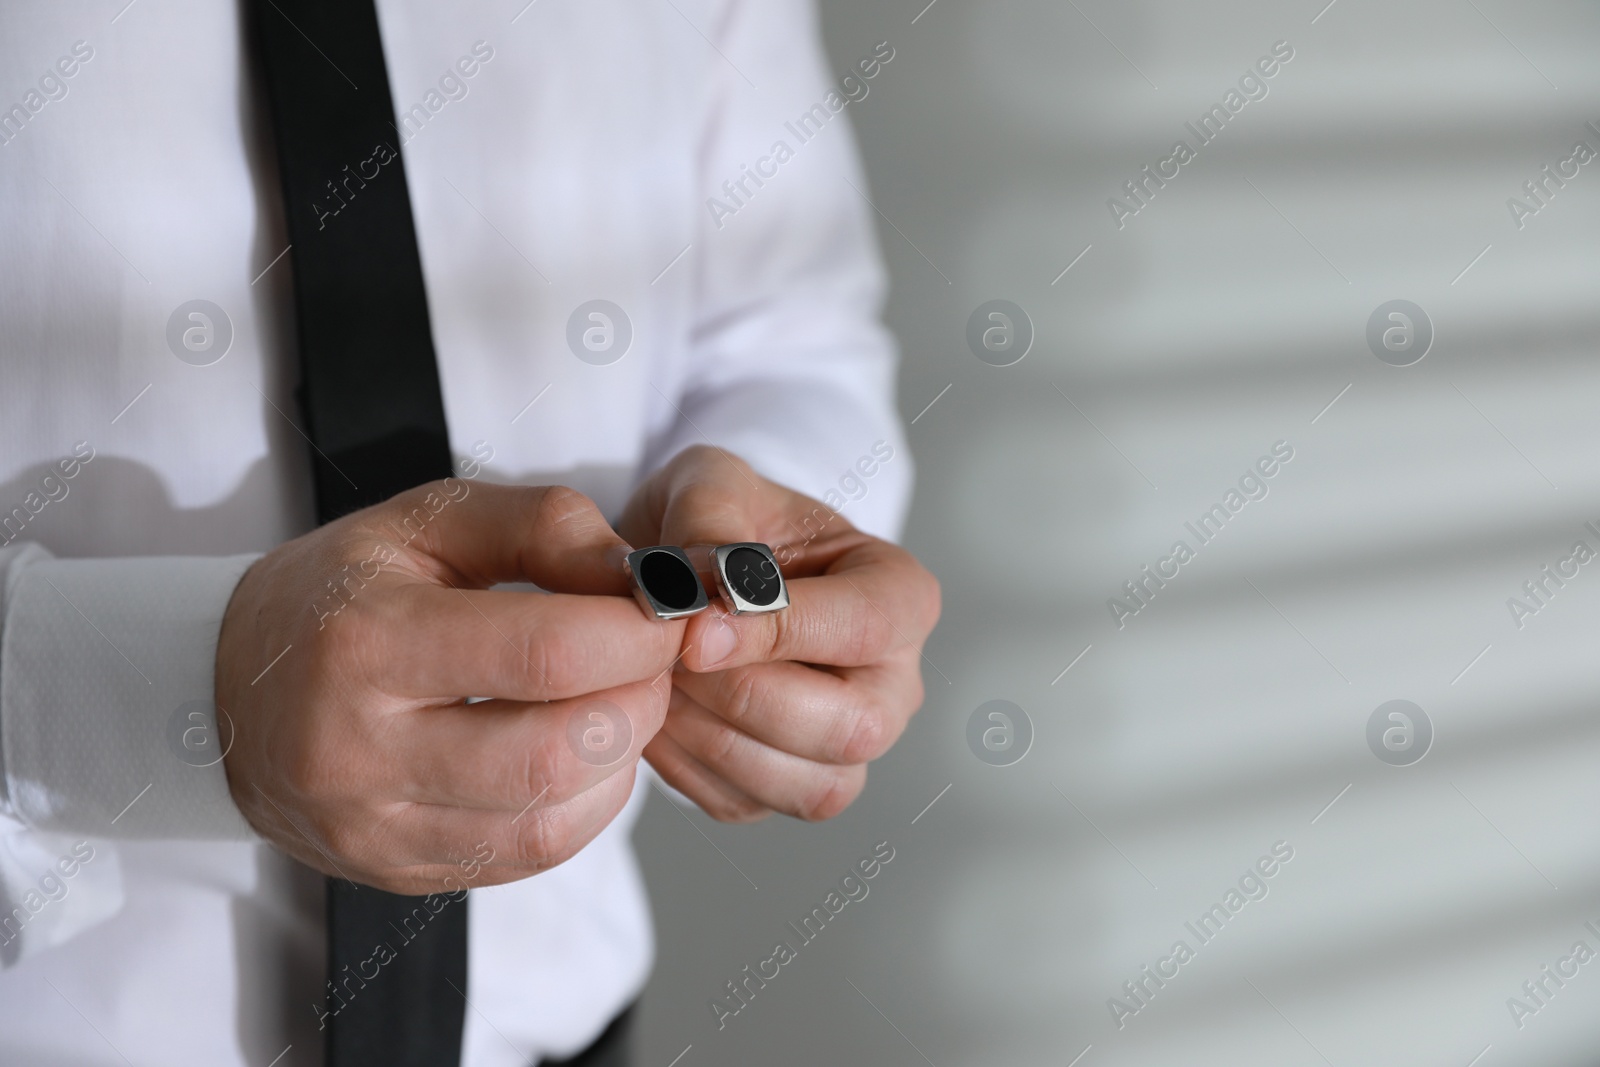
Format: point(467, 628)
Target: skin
point(358, 754)
point(783, 711)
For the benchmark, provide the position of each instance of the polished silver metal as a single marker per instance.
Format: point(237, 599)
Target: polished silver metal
point(661, 588)
point(749, 585)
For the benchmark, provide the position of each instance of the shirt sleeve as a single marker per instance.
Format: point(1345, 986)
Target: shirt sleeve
point(107, 726)
point(790, 366)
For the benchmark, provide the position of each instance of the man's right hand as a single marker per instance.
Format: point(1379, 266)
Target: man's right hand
point(356, 752)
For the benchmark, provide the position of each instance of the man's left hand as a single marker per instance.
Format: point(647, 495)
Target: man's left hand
point(782, 711)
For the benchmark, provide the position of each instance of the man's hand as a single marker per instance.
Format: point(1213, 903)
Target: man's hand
point(783, 711)
point(356, 751)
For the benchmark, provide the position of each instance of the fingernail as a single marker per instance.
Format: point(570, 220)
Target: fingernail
point(718, 642)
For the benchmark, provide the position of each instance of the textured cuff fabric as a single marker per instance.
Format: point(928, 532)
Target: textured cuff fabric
point(107, 726)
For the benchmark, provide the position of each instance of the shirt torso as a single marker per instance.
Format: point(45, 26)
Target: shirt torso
point(142, 183)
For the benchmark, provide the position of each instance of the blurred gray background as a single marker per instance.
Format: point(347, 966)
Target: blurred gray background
point(1227, 715)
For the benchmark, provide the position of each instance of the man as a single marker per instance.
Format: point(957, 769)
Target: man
point(160, 562)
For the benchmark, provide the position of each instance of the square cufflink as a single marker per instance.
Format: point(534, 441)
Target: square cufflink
point(665, 583)
point(748, 578)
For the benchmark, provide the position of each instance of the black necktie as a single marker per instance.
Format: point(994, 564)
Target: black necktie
point(373, 411)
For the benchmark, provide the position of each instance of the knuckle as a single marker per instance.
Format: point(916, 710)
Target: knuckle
point(708, 501)
point(341, 837)
point(695, 454)
point(723, 744)
point(739, 695)
point(867, 734)
point(834, 791)
point(302, 778)
point(536, 775)
point(705, 492)
point(734, 809)
point(558, 506)
point(777, 636)
point(703, 455)
point(412, 513)
point(546, 666)
point(653, 701)
point(414, 497)
point(669, 646)
point(541, 841)
point(337, 638)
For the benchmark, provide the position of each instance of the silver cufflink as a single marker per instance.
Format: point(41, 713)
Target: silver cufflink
point(665, 582)
point(748, 578)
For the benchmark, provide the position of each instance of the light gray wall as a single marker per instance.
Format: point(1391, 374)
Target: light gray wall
point(1228, 714)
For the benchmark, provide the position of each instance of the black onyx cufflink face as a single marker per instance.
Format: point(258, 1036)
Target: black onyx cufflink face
point(664, 582)
point(748, 578)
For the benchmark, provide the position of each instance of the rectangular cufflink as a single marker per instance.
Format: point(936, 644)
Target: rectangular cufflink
point(665, 582)
point(748, 578)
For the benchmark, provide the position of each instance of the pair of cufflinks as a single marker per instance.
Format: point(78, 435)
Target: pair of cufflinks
point(668, 585)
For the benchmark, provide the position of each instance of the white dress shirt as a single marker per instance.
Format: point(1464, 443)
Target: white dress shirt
point(595, 151)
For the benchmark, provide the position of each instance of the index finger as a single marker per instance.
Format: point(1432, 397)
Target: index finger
point(518, 645)
point(873, 596)
point(482, 534)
